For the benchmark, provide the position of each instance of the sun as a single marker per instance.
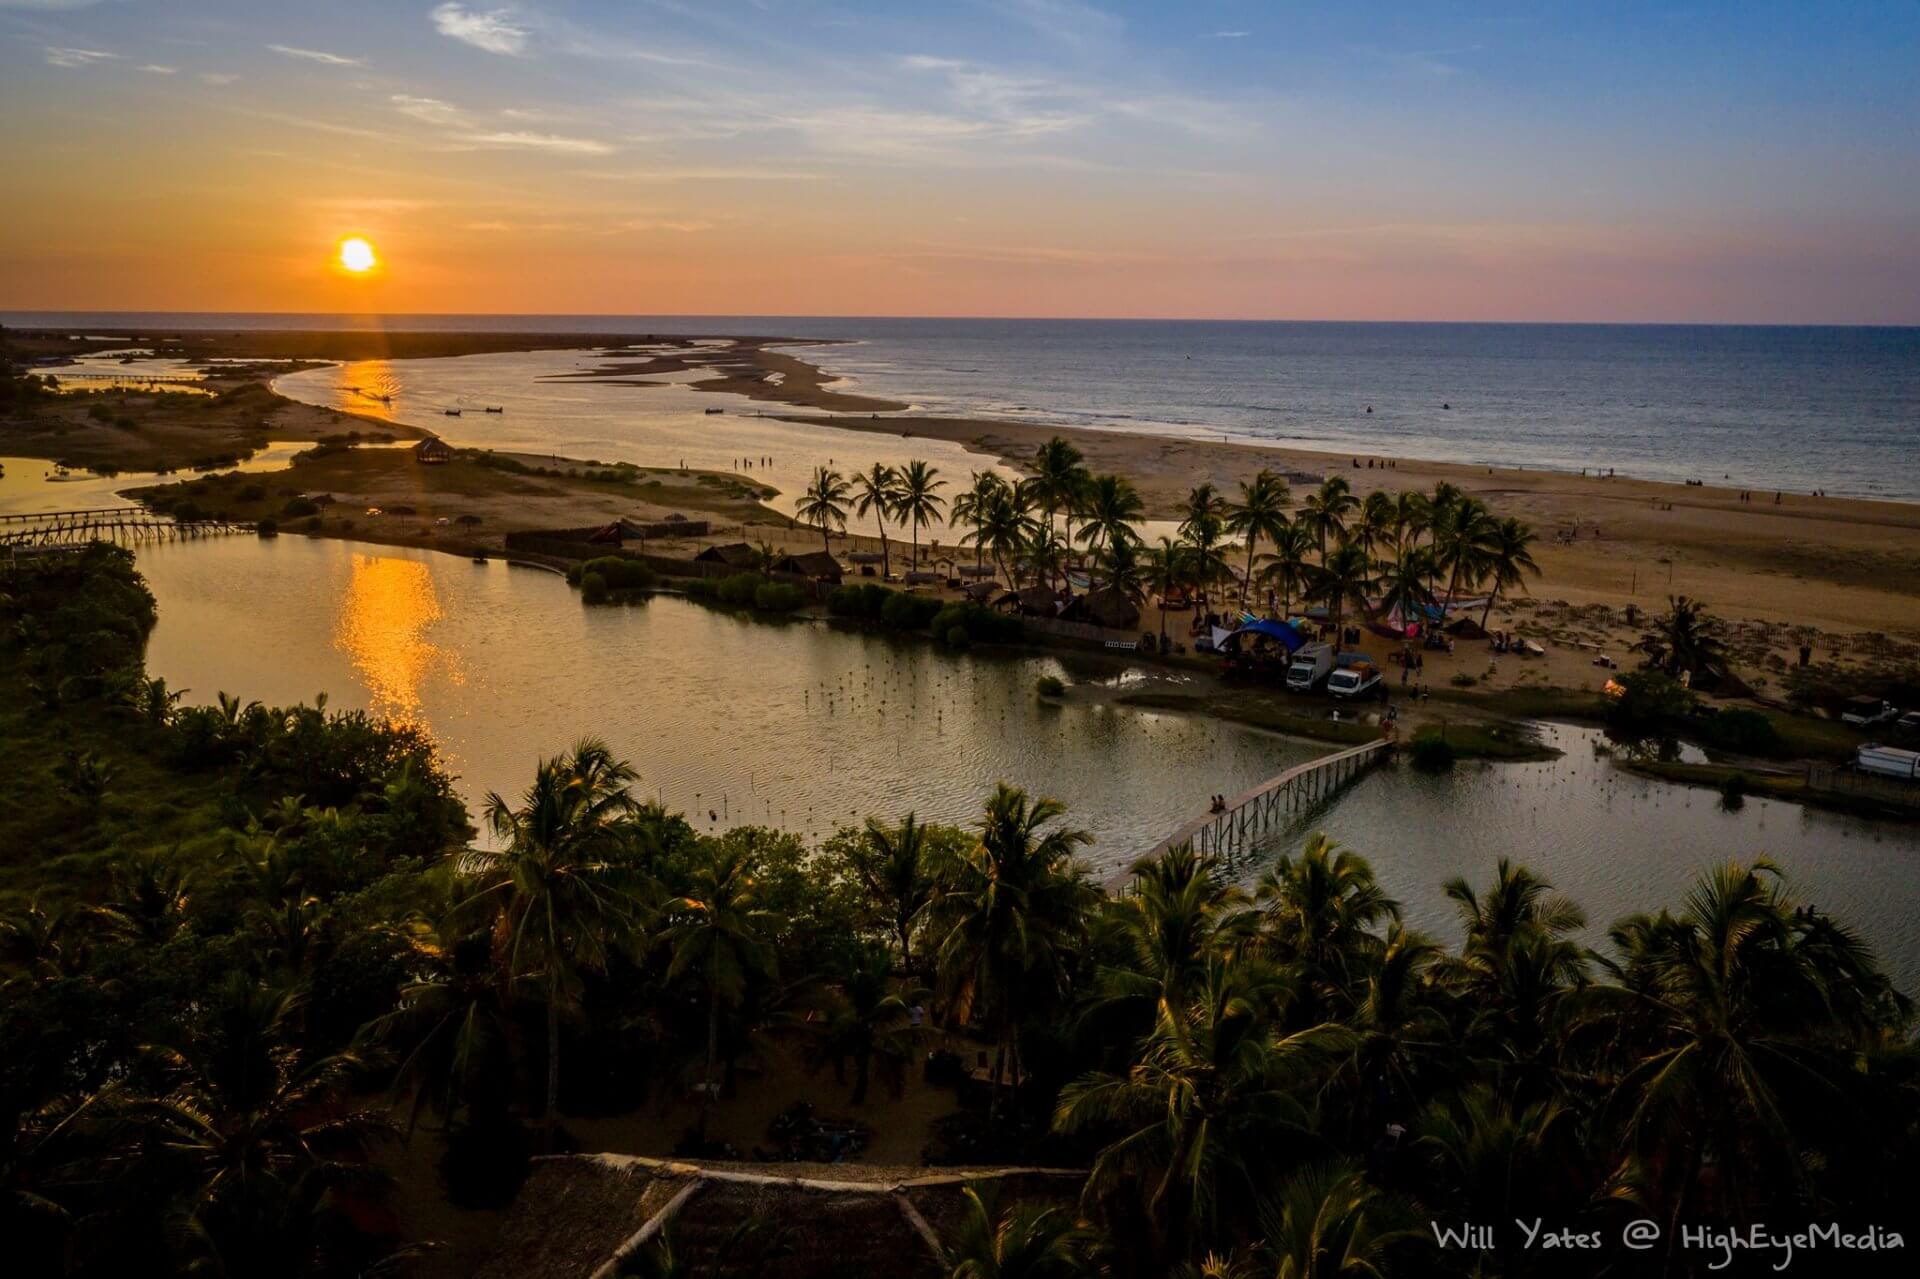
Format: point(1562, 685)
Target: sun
point(357, 256)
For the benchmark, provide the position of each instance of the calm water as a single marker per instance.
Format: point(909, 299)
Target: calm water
point(1771, 407)
point(806, 726)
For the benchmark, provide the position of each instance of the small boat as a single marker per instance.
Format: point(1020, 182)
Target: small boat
point(493, 409)
point(716, 410)
point(479, 559)
point(452, 412)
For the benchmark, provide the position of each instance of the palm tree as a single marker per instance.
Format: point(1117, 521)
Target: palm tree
point(1412, 517)
point(1374, 529)
point(1319, 909)
point(1345, 576)
point(718, 927)
point(1204, 505)
point(1739, 1023)
point(1683, 635)
point(875, 491)
point(1206, 555)
point(1461, 545)
point(895, 865)
point(1328, 1222)
point(1403, 583)
point(1260, 512)
point(1497, 1156)
point(1210, 1103)
point(1509, 558)
point(1179, 912)
point(1120, 565)
point(919, 502)
point(1111, 508)
point(824, 505)
point(1287, 566)
point(1327, 508)
point(1059, 478)
point(1029, 1241)
point(1015, 906)
point(1166, 572)
point(1044, 549)
point(868, 1019)
point(559, 891)
point(970, 509)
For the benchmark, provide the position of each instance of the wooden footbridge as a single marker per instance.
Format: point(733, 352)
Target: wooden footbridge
point(107, 524)
point(1234, 831)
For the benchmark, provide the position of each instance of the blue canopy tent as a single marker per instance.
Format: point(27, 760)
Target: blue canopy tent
point(1261, 643)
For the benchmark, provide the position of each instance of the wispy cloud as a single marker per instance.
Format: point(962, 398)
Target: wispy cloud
point(428, 110)
point(537, 142)
point(706, 173)
point(317, 55)
point(154, 68)
point(217, 79)
point(1227, 35)
point(67, 57)
point(495, 31)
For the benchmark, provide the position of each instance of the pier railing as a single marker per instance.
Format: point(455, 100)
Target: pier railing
point(115, 524)
point(1233, 831)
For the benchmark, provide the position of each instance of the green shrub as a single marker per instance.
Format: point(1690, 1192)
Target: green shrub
point(267, 528)
point(1651, 699)
point(864, 601)
point(1741, 730)
point(957, 637)
point(300, 507)
point(1049, 686)
point(778, 597)
point(620, 573)
point(905, 612)
point(593, 588)
point(740, 588)
point(981, 624)
point(1431, 752)
point(1733, 792)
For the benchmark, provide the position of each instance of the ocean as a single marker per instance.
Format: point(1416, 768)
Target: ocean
point(1795, 408)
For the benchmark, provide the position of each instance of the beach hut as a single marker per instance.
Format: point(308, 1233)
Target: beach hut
point(818, 565)
point(432, 451)
point(732, 554)
point(1104, 606)
point(1042, 601)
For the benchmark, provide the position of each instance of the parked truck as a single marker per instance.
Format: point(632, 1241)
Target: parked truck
point(1864, 712)
point(1309, 667)
point(1356, 676)
point(1888, 761)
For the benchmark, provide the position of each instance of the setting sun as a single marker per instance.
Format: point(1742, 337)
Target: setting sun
point(356, 255)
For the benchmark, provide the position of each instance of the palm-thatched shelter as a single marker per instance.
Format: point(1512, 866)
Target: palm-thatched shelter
point(583, 1216)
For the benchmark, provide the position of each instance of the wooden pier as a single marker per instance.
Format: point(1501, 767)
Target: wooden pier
point(108, 524)
point(1233, 832)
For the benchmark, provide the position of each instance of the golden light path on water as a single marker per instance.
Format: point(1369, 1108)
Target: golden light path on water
point(382, 625)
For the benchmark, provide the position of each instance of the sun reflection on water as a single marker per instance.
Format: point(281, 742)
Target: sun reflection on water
point(385, 616)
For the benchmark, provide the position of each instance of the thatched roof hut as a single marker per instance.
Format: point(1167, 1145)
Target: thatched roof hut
point(1104, 606)
point(815, 564)
point(580, 1216)
point(432, 451)
point(1041, 601)
point(732, 554)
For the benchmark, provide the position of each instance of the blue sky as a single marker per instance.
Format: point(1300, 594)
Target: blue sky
point(1229, 158)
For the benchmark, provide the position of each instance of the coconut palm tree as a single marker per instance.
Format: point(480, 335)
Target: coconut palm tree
point(1461, 546)
point(1287, 567)
point(869, 1018)
point(1345, 577)
point(1374, 527)
point(1110, 510)
point(1165, 573)
point(1180, 911)
point(1204, 505)
point(1015, 906)
point(970, 507)
point(824, 505)
point(1260, 513)
point(919, 503)
point(1508, 560)
point(1327, 509)
point(718, 928)
point(1738, 1023)
point(1684, 638)
point(1059, 478)
point(1403, 583)
point(1319, 909)
point(895, 865)
point(1028, 1241)
point(559, 891)
point(1214, 1099)
point(1412, 517)
point(874, 492)
point(1207, 563)
point(1121, 570)
point(1042, 546)
point(1328, 1222)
